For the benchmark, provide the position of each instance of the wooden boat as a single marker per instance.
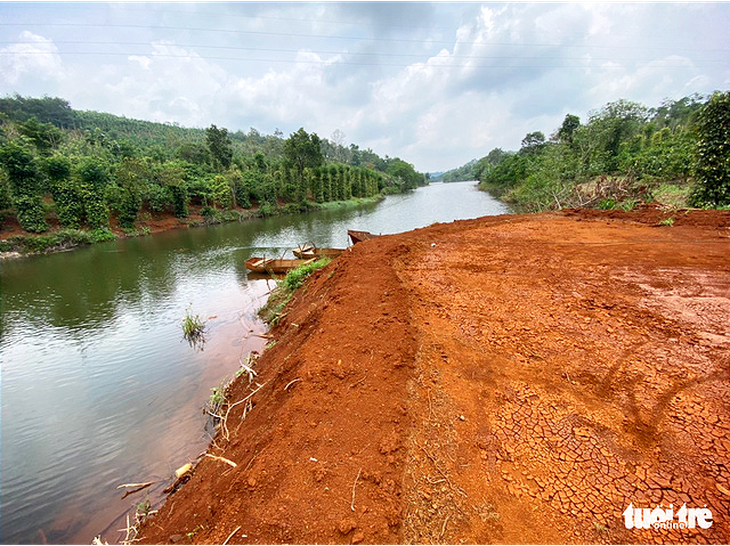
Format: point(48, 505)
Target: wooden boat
point(272, 265)
point(358, 236)
point(315, 252)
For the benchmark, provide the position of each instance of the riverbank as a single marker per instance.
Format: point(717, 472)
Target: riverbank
point(16, 243)
point(513, 379)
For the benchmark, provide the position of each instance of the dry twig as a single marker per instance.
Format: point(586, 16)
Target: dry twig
point(221, 459)
point(229, 536)
point(352, 504)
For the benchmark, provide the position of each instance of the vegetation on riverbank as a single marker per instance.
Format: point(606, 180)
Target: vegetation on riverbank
point(66, 169)
point(623, 155)
point(271, 312)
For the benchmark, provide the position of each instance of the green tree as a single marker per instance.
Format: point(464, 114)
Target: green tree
point(44, 136)
point(220, 146)
point(568, 128)
point(404, 173)
point(302, 150)
point(25, 180)
point(65, 190)
point(533, 142)
point(713, 152)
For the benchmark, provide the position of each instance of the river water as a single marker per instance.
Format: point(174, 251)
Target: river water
point(98, 388)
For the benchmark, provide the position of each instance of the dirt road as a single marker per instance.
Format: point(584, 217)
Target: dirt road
point(514, 379)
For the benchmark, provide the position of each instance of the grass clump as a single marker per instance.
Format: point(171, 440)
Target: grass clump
point(282, 295)
point(218, 399)
point(296, 277)
point(193, 328)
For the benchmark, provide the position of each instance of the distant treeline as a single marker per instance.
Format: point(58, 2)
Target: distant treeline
point(84, 167)
point(623, 154)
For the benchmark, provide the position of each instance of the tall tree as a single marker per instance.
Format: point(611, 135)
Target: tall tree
point(567, 129)
point(219, 145)
point(302, 150)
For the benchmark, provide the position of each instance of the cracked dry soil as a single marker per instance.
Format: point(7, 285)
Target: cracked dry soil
point(512, 379)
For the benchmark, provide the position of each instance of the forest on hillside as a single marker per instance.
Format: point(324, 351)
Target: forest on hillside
point(82, 169)
point(625, 153)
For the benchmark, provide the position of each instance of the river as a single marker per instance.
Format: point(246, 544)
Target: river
point(98, 387)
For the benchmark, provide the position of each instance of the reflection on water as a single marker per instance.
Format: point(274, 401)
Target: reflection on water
point(98, 386)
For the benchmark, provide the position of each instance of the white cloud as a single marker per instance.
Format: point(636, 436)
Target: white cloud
point(32, 55)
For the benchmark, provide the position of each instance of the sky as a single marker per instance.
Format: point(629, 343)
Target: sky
point(436, 84)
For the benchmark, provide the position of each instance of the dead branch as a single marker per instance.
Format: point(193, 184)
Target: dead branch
point(291, 383)
point(143, 484)
point(221, 459)
point(354, 485)
point(229, 536)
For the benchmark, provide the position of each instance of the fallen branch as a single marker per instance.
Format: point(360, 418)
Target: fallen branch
point(221, 459)
point(140, 485)
point(291, 383)
point(229, 536)
point(226, 433)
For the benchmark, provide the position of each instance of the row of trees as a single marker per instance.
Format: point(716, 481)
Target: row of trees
point(55, 161)
point(621, 152)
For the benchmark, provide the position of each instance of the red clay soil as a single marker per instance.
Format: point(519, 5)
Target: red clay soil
point(512, 379)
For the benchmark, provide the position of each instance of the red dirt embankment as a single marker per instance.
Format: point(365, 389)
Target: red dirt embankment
point(514, 379)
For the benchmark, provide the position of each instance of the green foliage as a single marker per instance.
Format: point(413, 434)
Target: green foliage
point(180, 200)
point(69, 198)
point(30, 213)
point(713, 152)
point(24, 180)
point(221, 191)
point(266, 210)
point(94, 165)
point(568, 128)
point(465, 172)
point(155, 197)
point(44, 136)
point(193, 328)
point(295, 278)
point(65, 238)
point(404, 173)
point(5, 201)
point(617, 158)
point(46, 110)
point(671, 195)
point(302, 150)
point(219, 146)
point(217, 399)
point(272, 311)
point(21, 166)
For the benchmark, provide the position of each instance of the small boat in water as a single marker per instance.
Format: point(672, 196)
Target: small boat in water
point(308, 252)
point(358, 236)
point(273, 265)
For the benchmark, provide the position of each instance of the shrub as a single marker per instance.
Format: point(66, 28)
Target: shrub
point(713, 152)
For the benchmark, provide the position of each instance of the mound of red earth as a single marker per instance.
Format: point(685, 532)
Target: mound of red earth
point(512, 379)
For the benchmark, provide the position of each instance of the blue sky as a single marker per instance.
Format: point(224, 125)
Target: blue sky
point(436, 84)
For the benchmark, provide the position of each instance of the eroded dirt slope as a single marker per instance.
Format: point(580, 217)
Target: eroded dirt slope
point(515, 379)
